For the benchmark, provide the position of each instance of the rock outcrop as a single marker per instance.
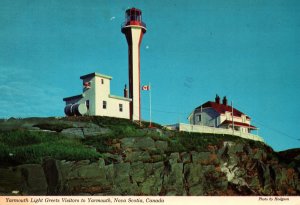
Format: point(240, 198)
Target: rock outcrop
point(229, 170)
point(151, 166)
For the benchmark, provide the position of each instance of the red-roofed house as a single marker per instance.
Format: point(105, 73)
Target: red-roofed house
point(217, 114)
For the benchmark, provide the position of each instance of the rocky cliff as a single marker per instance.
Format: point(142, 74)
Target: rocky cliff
point(150, 162)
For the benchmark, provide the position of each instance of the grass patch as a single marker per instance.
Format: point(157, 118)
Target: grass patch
point(101, 143)
point(185, 141)
point(102, 121)
point(120, 131)
point(22, 146)
point(15, 138)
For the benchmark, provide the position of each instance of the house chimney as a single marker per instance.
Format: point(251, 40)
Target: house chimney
point(125, 92)
point(217, 99)
point(224, 100)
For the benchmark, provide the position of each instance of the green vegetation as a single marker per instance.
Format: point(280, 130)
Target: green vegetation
point(103, 142)
point(153, 125)
point(20, 145)
point(107, 122)
point(23, 146)
point(120, 128)
point(185, 141)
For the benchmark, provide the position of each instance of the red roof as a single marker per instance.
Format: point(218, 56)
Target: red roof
point(221, 108)
point(239, 124)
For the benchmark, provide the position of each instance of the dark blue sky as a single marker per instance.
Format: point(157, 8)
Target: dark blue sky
point(247, 50)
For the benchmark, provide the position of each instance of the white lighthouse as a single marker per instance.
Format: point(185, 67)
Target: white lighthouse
point(96, 98)
point(134, 29)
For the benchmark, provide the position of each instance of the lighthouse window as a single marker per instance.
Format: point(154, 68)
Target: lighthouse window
point(87, 103)
point(104, 104)
point(199, 118)
point(121, 107)
point(102, 81)
point(243, 118)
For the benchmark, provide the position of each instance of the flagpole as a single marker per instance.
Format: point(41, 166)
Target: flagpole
point(150, 104)
point(232, 117)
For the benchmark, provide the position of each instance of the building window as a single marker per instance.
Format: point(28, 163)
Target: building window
point(102, 81)
point(121, 107)
point(87, 103)
point(228, 116)
point(199, 118)
point(104, 104)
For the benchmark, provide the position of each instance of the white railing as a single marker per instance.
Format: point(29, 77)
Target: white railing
point(213, 130)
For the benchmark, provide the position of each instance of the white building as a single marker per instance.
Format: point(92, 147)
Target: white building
point(97, 99)
point(220, 115)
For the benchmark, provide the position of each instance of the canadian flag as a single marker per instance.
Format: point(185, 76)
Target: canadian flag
point(146, 87)
point(87, 84)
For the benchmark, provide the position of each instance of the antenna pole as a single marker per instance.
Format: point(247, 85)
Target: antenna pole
point(150, 104)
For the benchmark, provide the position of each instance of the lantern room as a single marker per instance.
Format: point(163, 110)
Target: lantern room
point(133, 17)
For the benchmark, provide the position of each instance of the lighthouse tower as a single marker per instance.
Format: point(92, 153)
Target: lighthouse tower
point(134, 29)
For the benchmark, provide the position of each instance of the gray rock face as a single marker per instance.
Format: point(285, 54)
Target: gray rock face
point(173, 180)
point(138, 168)
point(137, 172)
point(152, 184)
point(123, 183)
point(95, 131)
point(11, 179)
point(73, 132)
point(27, 179)
point(193, 176)
point(137, 156)
point(81, 130)
point(127, 143)
point(84, 132)
point(138, 143)
point(144, 143)
point(161, 145)
point(114, 158)
point(35, 180)
point(150, 162)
